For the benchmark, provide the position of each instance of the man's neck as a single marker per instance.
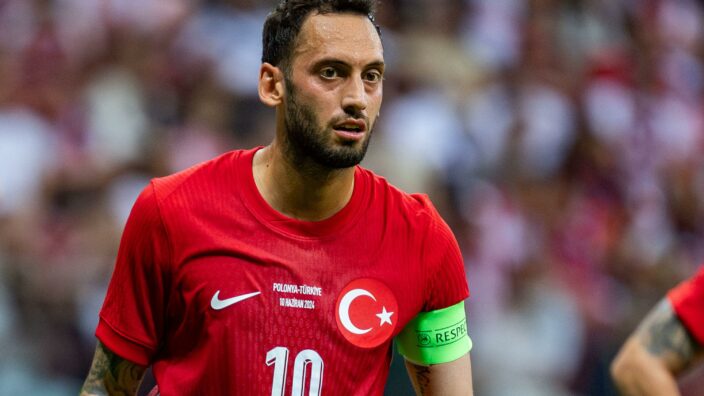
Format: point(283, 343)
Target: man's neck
point(301, 191)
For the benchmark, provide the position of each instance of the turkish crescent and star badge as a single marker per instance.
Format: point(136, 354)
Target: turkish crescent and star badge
point(366, 312)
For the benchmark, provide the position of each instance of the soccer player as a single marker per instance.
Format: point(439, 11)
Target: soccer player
point(289, 269)
point(668, 341)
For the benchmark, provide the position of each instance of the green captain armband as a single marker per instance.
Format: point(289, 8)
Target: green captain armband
point(435, 337)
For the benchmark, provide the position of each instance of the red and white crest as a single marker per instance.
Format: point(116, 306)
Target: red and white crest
point(366, 312)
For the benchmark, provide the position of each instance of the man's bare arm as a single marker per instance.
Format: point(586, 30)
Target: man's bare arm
point(446, 379)
point(112, 375)
point(660, 349)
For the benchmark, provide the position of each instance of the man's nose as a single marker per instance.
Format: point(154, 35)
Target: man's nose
point(354, 99)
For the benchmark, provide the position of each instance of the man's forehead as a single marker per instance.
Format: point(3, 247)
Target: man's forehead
point(342, 33)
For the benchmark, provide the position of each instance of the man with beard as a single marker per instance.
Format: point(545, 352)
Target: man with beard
point(289, 269)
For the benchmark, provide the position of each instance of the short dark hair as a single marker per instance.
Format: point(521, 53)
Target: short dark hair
point(284, 23)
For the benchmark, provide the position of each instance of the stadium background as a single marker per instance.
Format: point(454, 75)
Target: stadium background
point(562, 141)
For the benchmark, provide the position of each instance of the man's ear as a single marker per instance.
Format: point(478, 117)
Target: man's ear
point(271, 85)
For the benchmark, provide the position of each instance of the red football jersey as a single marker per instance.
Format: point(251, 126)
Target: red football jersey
point(223, 295)
point(688, 302)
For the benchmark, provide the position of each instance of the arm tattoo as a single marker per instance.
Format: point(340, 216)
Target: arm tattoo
point(112, 375)
point(422, 378)
point(665, 337)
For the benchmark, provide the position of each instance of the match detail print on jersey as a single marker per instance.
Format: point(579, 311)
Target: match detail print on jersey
point(366, 312)
point(297, 296)
point(217, 304)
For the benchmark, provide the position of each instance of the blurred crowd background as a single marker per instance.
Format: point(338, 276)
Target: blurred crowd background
point(562, 140)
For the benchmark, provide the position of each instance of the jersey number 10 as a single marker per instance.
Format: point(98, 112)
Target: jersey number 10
point(306, 360)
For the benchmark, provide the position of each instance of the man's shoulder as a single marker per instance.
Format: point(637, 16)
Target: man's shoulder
point(201, 177)
point(383, 191)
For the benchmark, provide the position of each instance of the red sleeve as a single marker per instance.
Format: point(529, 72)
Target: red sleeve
point(688, 302)
point(447, 281)
point(132, 318)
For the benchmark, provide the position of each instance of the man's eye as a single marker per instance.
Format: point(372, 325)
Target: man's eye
point(329, 72)
point(373, 76)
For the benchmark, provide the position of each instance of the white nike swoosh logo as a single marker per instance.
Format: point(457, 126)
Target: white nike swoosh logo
point(217, 304)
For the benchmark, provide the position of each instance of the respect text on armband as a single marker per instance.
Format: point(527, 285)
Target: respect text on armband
point(442, 336)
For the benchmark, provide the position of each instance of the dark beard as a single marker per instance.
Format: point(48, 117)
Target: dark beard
point(307, 141)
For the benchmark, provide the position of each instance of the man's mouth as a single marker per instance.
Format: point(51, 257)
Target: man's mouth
point(350, 130)
point(351, 126)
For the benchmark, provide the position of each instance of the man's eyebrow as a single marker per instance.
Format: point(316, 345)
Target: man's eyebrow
point(379, 64)
point(376, 65)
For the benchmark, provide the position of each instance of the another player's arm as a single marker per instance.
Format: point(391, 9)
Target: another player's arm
point(655, 354)
point(112, 375)
point(451, 379)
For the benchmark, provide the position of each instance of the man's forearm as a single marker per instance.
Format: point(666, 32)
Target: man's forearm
point(654, 355)
point(637, 373)
point(111, 375)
